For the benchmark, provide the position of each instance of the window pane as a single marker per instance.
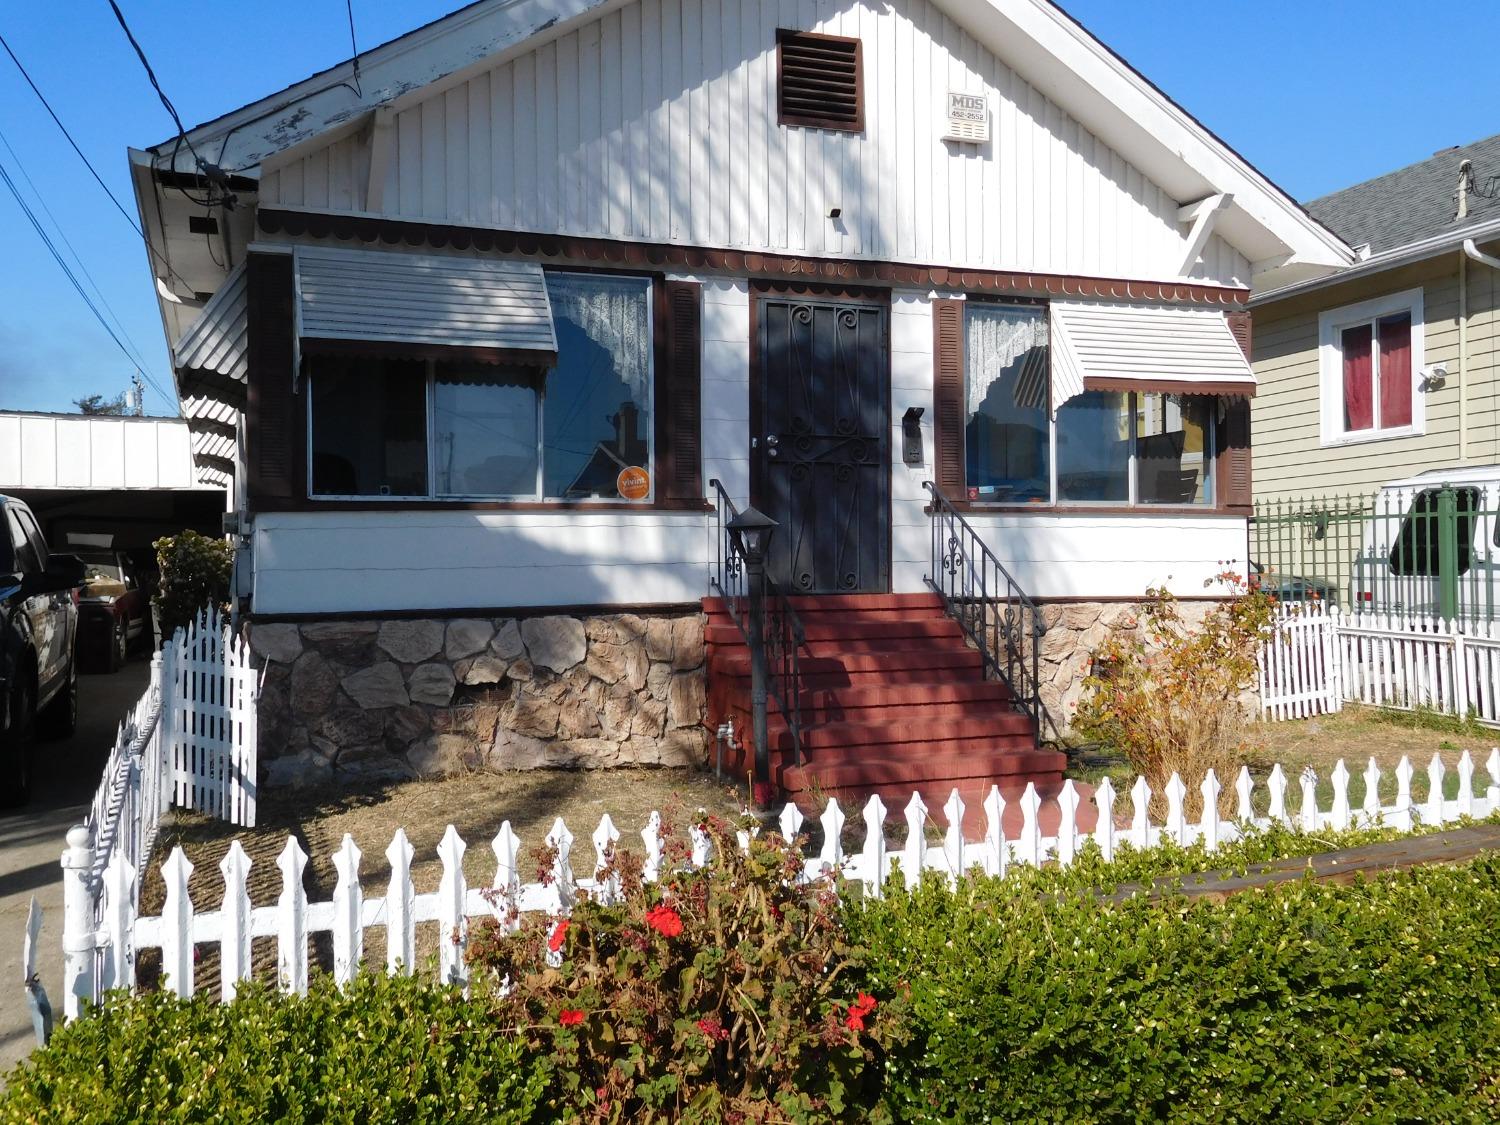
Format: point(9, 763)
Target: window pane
point(369, 427)
point(1172, 454)
point(484, 432)
point(597, 415)
point(1395, 370)
point(1006, 440)
point(1093, 447)
point(1419, 548)
point(1359, 396)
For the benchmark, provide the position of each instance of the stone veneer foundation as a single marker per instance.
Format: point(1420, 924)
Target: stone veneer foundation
point(1073, 631)
point(430, 697)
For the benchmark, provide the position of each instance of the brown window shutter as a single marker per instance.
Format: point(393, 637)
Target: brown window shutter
point(1239, 327)
point(679, 440)
point(948, 396)
point(1234, 457)
point(275, 430)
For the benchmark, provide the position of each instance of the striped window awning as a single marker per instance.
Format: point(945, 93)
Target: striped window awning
point(423, 304)
point(1100, 346)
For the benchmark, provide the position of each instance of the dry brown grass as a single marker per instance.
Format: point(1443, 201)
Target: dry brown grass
point(476, 805)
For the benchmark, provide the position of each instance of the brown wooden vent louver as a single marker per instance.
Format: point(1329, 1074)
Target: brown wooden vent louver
point(819, 81)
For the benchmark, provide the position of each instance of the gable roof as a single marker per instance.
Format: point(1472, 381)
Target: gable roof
point(1046, 46)
point(1413, 203)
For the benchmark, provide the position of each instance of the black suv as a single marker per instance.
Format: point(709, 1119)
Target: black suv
point(38, 630)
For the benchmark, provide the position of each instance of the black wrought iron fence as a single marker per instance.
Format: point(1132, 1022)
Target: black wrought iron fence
point(1410, 551)
point(782, 635)
point(996, 614)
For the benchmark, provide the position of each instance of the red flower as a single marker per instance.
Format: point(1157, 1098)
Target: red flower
point(559, 935)
point(570, 1017)
point(711, 1027)
point(664, 920)
point(863, 1005)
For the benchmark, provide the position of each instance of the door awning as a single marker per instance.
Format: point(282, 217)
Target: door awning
point(1100, 346)
point(215, 343)
point(424, 304)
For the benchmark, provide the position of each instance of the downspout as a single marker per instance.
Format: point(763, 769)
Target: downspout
point(1470, 251)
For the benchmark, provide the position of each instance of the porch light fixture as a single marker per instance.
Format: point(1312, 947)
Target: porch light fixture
point(752, 530)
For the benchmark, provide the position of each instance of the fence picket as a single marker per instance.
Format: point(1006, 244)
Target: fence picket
point(1104, 827)
point(652, 841)
point(1244, 790)
point(1308, 812)
point(831, 858)
point(453, 922)
point(1401, 815)
point(1433, 813)
point(291, 920)
point(177, 925)
point(606, 837)
point(1338, 813)
point(348, 913)
point(994, 832)
point(953, 837)
point(1208, 826)
point(1276, 788)
point(1466, 803)
point(119, 907)
point(1029, 845)
point(1372, 813)
point(1492, 791)
point(400, 906)
point(234, 940)
point(872, 858)
point(1067, 825)
point(1140, 823)
point(914, 853)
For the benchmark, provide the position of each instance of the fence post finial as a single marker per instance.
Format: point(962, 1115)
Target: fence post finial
point(78, 938)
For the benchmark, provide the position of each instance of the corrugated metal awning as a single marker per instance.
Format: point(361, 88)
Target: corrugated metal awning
point(1100, 346)
point(492, 309)
point(216, 341)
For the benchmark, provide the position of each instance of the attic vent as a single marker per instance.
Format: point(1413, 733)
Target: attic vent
point(819, 81)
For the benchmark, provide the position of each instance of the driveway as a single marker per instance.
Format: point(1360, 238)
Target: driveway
point(64, 778)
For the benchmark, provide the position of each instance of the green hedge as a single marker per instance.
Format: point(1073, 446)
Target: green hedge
point(389, 1050)
point(1030, 1001)
point(1023, 999)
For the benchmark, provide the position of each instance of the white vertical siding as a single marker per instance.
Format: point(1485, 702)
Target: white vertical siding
point(57, 451)
point(726, 387)
point(657, 122)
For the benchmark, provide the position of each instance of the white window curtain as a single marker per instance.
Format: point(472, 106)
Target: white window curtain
point(1007, 341)
point(614, 312)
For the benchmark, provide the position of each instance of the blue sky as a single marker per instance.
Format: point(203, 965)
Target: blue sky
point(1318, 93)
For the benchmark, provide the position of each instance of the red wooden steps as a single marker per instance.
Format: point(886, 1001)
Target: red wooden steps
point(893, 701)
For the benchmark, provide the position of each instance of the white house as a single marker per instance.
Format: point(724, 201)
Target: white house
point(498, 303)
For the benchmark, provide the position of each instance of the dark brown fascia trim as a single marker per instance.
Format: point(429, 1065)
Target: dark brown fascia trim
point(779, 287)
point(1168, 386)
point(657, 255)
point(416, 505)
point(407, 349)
point(597, 610)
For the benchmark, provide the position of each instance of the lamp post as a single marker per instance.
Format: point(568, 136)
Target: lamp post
point(751, 531)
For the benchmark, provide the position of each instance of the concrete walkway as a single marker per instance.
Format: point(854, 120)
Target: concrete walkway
point(64, 778)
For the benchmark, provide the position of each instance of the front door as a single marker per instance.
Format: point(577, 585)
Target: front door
point(822, 434)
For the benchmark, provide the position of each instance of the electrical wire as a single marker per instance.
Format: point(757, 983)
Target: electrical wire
point(62, 264)
point(155, 85)
point(63, 234)
point(135, 226)
point(354, 51)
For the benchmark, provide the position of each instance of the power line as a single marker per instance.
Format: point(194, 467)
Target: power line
point(35, 89)
point(155, 85)
point(73, 278)
point(63, 234)
point(354, 50)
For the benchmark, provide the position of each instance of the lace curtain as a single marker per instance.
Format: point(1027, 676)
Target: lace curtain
point(1007, 342)
point(612, 312)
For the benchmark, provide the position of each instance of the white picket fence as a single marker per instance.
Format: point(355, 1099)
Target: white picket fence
point(181, 927)
point(190, 740)
point(1318, 658)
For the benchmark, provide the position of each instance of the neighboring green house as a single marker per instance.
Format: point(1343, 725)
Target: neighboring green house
point(1389, 367)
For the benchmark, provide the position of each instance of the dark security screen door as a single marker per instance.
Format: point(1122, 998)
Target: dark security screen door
point(822, 469)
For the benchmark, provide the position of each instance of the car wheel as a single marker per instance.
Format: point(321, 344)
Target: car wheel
point(16, 726)
point(60, 718)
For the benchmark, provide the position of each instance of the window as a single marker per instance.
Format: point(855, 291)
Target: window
point(1370, 358)
point(819, 81)
point(452, 429)
point(1419, 547)
point(1102, 447)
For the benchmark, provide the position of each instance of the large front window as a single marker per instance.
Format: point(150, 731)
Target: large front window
point(440, 428)
point(1101, 447)
point(1371, 357)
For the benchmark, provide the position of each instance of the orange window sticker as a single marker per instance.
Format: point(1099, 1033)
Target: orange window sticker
point(633, 483)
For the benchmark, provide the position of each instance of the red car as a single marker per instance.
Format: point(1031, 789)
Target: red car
point(114, 612)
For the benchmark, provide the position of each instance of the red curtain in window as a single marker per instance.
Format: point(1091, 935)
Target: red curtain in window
point(1395, 371)
point(1359, 397)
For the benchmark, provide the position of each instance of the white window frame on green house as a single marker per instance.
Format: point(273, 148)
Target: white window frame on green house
point(1331, 326)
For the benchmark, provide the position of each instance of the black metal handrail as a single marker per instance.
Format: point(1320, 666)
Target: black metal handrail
point(1001, 620)
point(783, 635)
